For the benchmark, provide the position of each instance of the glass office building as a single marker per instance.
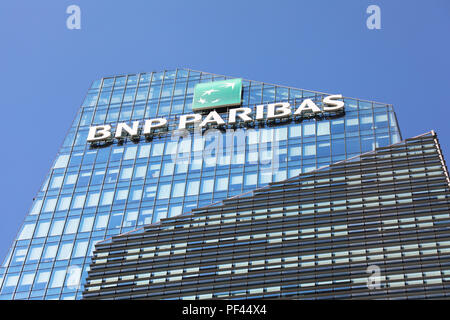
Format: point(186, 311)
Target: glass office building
point(372, 227)
point(95, 191)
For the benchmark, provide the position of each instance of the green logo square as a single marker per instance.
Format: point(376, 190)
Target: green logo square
point(217, 94)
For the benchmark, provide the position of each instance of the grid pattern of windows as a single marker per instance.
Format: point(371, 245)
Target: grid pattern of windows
point(318, 235)
point(93, 193)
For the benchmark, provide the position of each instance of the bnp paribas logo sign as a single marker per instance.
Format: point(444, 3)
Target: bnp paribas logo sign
point(217, 94)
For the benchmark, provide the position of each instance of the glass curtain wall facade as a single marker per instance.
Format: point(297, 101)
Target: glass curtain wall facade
point(93, 193)
point(376, 226)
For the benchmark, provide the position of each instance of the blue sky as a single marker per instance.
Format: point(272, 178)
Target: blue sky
point(321, 45)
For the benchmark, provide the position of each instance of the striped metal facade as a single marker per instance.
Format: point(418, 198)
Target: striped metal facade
point(374, 226)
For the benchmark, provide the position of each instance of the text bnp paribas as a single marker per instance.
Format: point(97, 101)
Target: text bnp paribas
point(279, 110)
